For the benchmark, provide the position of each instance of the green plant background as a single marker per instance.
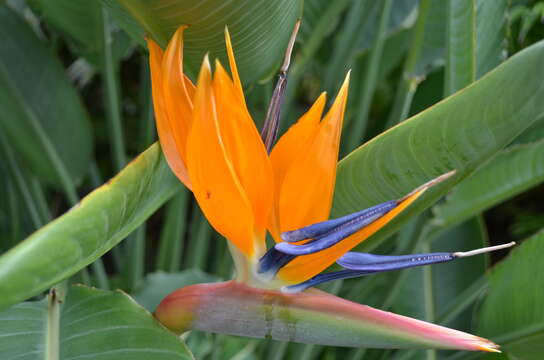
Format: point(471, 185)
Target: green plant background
point(75, 111)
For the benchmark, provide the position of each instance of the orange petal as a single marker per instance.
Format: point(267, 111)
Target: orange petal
point(293, 142)
point(305, 195)
point(244, 149)
point(304, 267)
point(167, 140)
point(216, 185)
point(178, 92)
point(233, 68)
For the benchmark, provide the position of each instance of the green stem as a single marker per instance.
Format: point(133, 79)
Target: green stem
point(357, 354)
point(100, 274)
point(134, 265)
point(409, 79)
point(112, 96)
point(20, 182)
point(15, 218)
point(147, 120)
point(54, 300)
point(428, 295)
point(277, 350)
point(369, 79)
point(40, 200)
point(200, 235)
point(173, 229)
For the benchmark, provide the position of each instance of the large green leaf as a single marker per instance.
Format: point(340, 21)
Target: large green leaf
point(81, 20)
point(40, 111)
point(491, 19)
point(512, 172)
point(88, 230)
point(512, 313)
point(459, 133)
point(359, 33)
point(82, 23)
point(94, 324)
point(476, 36)
point(259, 29)
point(461, 45)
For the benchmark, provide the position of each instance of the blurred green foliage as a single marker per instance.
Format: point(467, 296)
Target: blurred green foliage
point(75, 109)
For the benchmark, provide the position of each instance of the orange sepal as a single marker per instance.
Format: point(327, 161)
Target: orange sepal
point(244, 149)
point(306, 190)
point(294, 141)
point(234, 68)
point(178, 93)
point(216, 184)
point(171, 148)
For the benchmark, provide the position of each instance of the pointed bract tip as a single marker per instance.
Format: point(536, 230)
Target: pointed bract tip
point(227, 34)
point(346, 79)
point(490, 347)
point(429, 184)
point(182, 27)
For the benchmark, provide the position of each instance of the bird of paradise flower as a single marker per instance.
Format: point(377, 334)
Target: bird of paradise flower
point(246, 186)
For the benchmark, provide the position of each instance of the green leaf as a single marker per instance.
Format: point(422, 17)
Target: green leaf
point(460, 133)
point(157, 285)
point(512, 172)
point(475, 39)
point(88, 230)
point(41, 113)
point(173, 232)
point(94, 324)
point(491, 37)
point(449, 280)
point(359, 33)
point(512, 312)
point(532, 134)
point(80, 20)
point(259, 29)
point(461, 45)
point(425, 53)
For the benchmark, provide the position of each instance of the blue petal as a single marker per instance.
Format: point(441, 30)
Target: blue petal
point(321, 228)
point(272, 261)
point(377, 263)
point(342, 230)
point(321, 278)
point(361, 264)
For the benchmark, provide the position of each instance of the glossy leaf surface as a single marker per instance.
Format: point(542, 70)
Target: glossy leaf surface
point(512, 172)
point(94, 324)
point(460, 133)
point(87, 231)
point(40, 111)
point(259, 29)
point(513, 311)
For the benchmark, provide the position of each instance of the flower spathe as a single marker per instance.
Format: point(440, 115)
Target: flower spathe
point(212, 145)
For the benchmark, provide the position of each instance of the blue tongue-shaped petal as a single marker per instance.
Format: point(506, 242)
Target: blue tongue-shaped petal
point(360, 264)
point(325, 227)
point(377, 263)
